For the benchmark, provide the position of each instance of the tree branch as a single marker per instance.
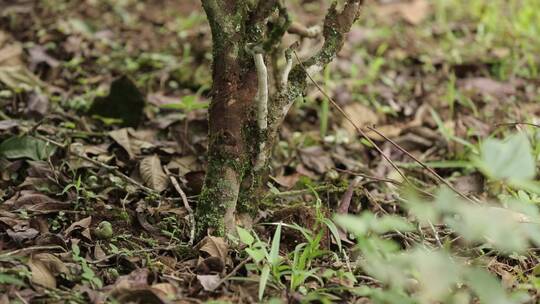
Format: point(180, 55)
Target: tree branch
point(336, 26)
point(262, 91)
point(262, 105)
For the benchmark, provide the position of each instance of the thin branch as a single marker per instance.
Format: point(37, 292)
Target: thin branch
point(262, 91)
point(336, 26)
point(233, 272)
point(262, 106)
point(191, 215)
point(429, 169)
point(303, 31)
point(30, 249)
point(517, 124)
point(279, 28)
point(358, 129)
point(286, 69)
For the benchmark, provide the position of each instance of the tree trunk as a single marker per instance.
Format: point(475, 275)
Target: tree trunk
point(243, 121)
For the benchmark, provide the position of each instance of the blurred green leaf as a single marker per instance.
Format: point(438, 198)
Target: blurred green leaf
point(265, 274)
point(509, 159)
point(26, 147)
point(189, 103)
point(353, 224)
point(10, 280)
point(487, 287)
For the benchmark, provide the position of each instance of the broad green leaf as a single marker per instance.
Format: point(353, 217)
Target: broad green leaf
point(256, 255)
point(245, 236)
point(26, 147)
point(509, 159)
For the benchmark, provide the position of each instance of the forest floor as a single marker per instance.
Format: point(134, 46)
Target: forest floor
point(102, 155)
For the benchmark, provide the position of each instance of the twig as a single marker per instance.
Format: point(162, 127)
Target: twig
point(430, 170)
point(286, 69)
point(262, 91)
point(33, 248)
point(375, 178)
point(436, 234)
point(345, 201)
point(329, 188)
point(359, 130)
point(262, 105)
point(349, 119)
point(516, 123)
point(191, 215)
point(233, 272)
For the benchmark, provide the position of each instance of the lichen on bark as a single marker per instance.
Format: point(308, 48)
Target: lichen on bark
point(236, 141)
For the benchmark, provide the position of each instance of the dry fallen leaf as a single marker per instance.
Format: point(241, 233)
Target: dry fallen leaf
point(209, 282)
point(152, 173)
point(81, 224)
point(121, 137)
point(41, 275)
point(37, 202)
point(316, 159)
point(44, 267)
point(215, 247)
point(22, 234)
point(287, 181)
point(166, 289)
point(13, 73)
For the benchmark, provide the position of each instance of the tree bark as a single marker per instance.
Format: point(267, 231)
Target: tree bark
point(240, 144)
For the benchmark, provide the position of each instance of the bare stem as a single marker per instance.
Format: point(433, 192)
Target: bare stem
point(262, 92)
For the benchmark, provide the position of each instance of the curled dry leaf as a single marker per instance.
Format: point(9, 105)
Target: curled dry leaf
point(209, 282)
point(215, 247)
point(22, 234)
point(37, 202)
point(152, 173)
point(13, 73)
point(81, 224)
point(166, 289)
point(316, 159)
point(44, 267)
point(121, 137)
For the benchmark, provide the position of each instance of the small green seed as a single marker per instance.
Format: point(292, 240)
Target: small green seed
point(104, 231)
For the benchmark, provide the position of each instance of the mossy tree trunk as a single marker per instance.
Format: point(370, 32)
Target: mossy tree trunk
point(243, 119)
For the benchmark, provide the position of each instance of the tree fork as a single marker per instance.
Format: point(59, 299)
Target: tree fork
point(243, 119)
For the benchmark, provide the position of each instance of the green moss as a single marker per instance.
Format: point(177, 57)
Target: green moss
point(216, 197)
